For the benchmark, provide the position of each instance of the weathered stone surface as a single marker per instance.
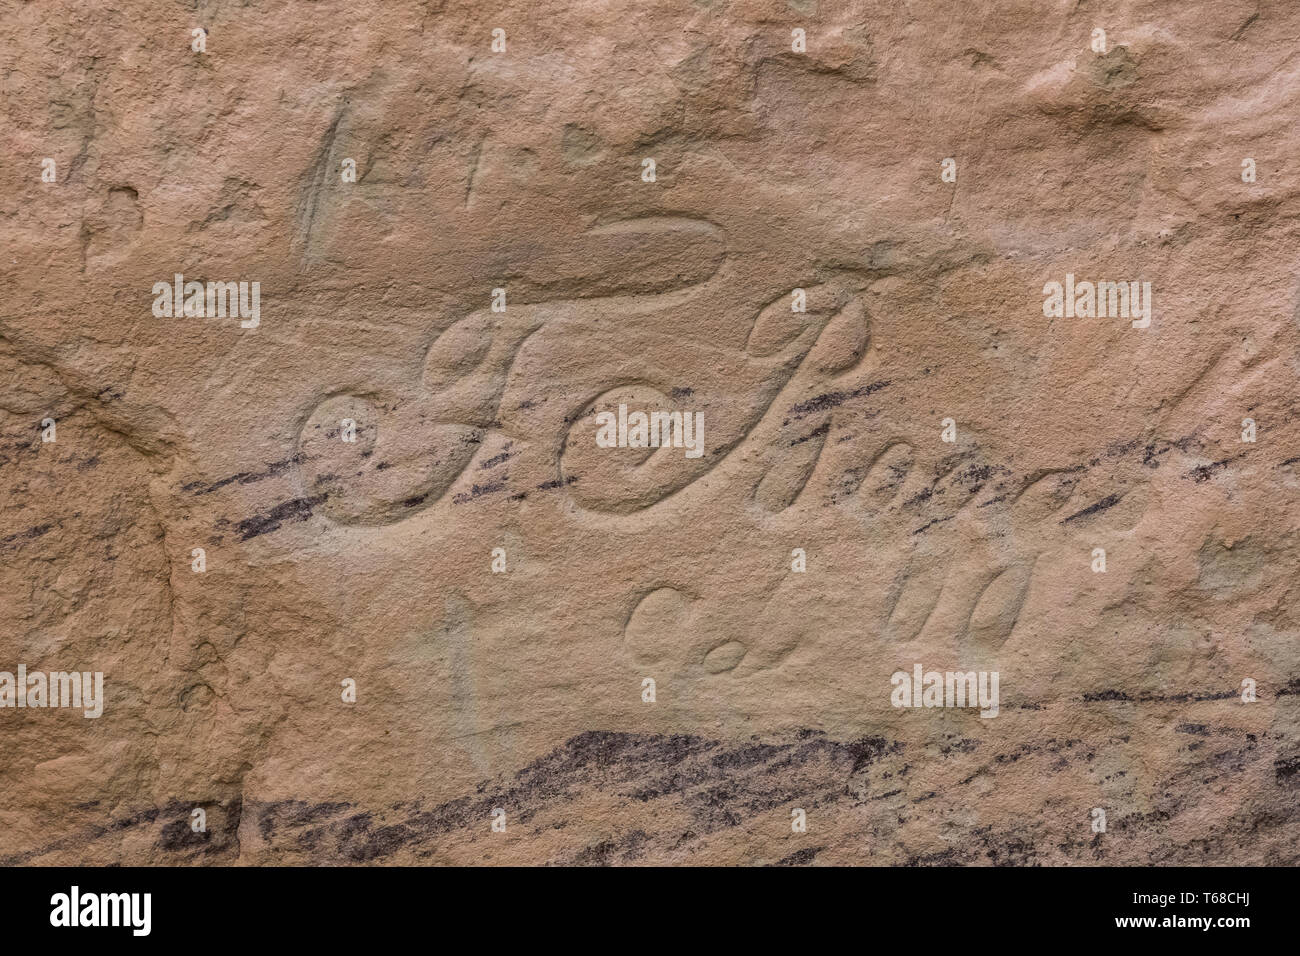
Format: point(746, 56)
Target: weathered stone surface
point(371, 561)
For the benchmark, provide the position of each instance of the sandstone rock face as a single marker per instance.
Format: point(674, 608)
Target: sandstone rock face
point(431, 599)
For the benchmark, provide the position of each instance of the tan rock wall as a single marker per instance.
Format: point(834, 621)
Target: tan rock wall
point(329, 560)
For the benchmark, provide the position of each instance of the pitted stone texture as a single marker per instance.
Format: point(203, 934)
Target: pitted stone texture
point(775, 171)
